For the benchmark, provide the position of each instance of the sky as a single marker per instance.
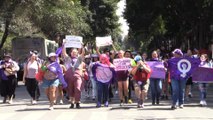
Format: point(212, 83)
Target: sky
point(124, 26)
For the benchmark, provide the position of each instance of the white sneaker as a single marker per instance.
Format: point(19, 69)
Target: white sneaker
point(204, 103)
point(34, 102)
point(51, 108)
point(116, 92)
point(10, 101)
point(201, 102)
point(61, 102)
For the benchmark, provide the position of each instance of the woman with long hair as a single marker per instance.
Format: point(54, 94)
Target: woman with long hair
point(30, 69)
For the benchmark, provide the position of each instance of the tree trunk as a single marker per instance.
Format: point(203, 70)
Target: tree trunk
point(6, 32)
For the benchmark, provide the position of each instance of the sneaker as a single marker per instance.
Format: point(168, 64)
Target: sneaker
point(157, 102)
point(98, 105)
point(130, 101)
point(93, 98)
point(190, 95)
point(61, 102)
point(51, 108)
point(173, 107)
point(78, 105)
point(71, 106)
point(116, 92)
point(34, 102)
point(121, 103)
point(142, 105)
point(204, 103)
point(5, 100)
point(139, 106)
point(10, 101)
point(106, 104)
point(126, 99)
point(181, 106)
point(201, 103)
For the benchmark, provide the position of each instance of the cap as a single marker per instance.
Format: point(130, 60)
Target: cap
point(178, 51)
point(52, 55)
point(137, 58)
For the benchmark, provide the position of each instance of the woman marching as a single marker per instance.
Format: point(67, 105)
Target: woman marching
point(103, 74)
point(122, 78)
point(74, 75)
point(52, 75)
point(30, 69)
point(202, 85)
point(155, 83)
point(8, 70)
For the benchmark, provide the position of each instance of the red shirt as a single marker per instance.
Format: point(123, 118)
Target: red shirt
point(141, 75)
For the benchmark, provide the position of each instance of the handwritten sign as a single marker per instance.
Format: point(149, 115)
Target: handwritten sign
point(122, 64)
point(157, 68)
point(73, 41)
point(103, 41)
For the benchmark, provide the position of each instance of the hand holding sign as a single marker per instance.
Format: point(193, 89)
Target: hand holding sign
point(103, 41)
point(73, 41)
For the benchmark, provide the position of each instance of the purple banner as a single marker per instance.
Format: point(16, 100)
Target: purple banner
point(204, 75)
point(158, 70)
point(182, 68)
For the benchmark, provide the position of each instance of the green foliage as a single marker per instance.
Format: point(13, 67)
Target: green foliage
point(45, 18)
point(154, 21)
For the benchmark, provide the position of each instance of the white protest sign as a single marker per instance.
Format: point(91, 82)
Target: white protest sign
point(122, 64)
point(103, 41)
point(73, 41)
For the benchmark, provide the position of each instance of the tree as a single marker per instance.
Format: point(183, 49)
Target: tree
point(180, 22)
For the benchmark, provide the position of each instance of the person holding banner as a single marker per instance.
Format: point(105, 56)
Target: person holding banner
point(128, 54)
point(74, 74)
point(122, 78)
point(104, 73)
point(202, 85)
point(155, 83)
point(178, 85)
point(141, 74)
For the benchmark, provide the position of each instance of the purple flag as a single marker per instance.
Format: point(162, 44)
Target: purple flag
point(56, 68)
point(158, 70)
point(182, 68)
point(58, 51)
point(203, 75)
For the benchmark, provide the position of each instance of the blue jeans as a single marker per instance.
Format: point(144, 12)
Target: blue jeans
point(103, 91)
point(203, 90)
point(94, 86)
point(178, 89)
point(156, 87)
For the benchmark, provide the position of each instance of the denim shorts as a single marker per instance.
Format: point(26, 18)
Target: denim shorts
point(50, 83)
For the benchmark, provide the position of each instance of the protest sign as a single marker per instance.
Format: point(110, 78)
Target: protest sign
point(103, 41)
point(122, 64)
point(73, 41)
point(158, 70)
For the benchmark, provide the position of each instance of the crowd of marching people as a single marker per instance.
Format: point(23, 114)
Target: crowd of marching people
point(66, 74)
